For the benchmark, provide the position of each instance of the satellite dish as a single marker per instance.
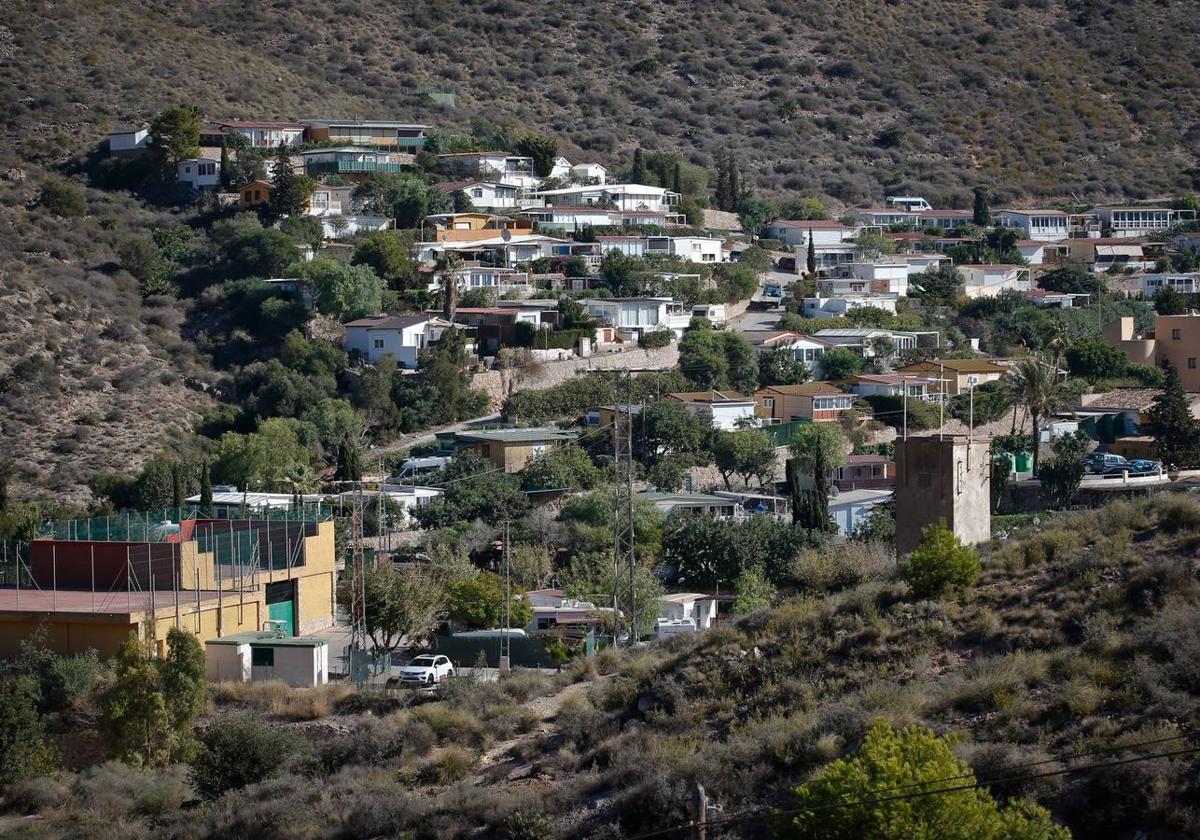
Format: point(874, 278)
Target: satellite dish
point(506, 235)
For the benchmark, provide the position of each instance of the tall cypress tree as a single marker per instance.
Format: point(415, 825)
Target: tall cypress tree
point(981, 214)
point(735, 186)
point(225, 176)
point(637, 173)
point(206, 494)
point(721, 190)
point(176, 485)
point(677, 179)
point(1176, 433)
point(349, 468)
point(812, 254)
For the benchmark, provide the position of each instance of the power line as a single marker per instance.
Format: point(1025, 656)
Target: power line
point(1067, 771)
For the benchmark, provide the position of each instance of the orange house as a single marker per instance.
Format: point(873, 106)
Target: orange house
point(255, 194)
point(815, 401)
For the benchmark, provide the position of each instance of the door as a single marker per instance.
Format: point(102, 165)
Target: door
point(281, 604)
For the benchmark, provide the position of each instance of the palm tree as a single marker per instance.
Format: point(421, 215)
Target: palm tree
point(1035, 384)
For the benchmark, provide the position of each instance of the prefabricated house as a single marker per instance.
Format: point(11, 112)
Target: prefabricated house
point(1038, 225)
point(680, 606)
point(837, 307)
point(256, 657)
point(824, 234)
point(129, 142)
point(199, 173)
point(402, 337)
point(991, 280)
point(1139, 221)
point(485, 195)
point(725, 410)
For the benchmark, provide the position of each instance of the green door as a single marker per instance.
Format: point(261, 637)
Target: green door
point(281, 605)
point(283, 611)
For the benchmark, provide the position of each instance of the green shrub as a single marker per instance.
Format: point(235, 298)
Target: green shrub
point(940, 563)
point(241, 749)
point(655, 339)
point(63, 198)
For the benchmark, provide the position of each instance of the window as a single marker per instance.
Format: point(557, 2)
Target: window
point(1191, 362)
point(477, 193)
point(208, 169)
point(379, 344)
point(262, 657)
point(1176, 335)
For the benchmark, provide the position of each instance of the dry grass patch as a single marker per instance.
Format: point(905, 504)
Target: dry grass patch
point(281, 700)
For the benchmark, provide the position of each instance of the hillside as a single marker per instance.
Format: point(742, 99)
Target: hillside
point(1090, 97)
point(1093, 99)
point(1077, 647)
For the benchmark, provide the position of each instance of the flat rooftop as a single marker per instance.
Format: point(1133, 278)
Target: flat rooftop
point(80, 602)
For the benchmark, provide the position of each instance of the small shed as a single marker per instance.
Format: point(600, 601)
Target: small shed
point(245, 657)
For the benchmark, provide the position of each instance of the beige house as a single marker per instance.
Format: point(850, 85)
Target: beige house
point(511, 449)
point(954, 375)
point(1175, 339)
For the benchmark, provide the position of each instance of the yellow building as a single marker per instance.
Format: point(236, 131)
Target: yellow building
point(211, 577)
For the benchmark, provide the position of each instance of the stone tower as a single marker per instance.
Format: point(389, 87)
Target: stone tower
point(942, 478)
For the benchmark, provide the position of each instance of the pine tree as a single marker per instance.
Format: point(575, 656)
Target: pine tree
point(206, 493)
point(1176, 433)
point(812, 254)
point(677, 179)
point(637, 172)
point(225, 175)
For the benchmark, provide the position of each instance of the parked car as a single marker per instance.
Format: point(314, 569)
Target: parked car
point(1144, 466)
point(427, 669)
point(1104, 462)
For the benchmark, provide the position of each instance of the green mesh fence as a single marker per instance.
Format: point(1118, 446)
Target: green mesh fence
point(162, 524)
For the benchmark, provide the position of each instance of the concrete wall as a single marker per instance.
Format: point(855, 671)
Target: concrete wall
point(500, 383)
point(942, 479)
point(227, 662)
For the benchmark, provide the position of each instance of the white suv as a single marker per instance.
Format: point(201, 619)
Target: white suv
point(427, 669)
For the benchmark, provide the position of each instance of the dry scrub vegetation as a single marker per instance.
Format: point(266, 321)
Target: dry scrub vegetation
point(1080, 635)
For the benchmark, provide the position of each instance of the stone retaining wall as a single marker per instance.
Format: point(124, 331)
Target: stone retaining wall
point(500, 383)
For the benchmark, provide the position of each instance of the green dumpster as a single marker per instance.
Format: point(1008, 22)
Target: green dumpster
point(1024, 462)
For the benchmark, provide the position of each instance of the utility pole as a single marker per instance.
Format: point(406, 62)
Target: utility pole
point(505, 643)
point(624, 558)
point(358, 598)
